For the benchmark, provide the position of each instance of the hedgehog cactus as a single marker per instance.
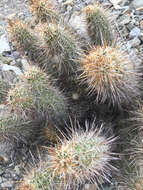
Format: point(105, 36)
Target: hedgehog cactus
point(15, 131)
point(43, 11)
point(84, 156)
point(14, 126)
point(63, 49)
point(55, 49)
point(20, 34)
point(98, 25)
point(35, 94)
point(109, 74)
point(24, 39)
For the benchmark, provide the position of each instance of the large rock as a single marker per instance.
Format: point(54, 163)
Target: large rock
point(15, 69)
point(135, 32)
point(77, 23)
point(137, 3)
point(9, 73)
point(133, 43)
point(4, 45)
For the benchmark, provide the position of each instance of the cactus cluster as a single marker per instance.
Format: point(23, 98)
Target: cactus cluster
point(78, 158)
point(58, 101)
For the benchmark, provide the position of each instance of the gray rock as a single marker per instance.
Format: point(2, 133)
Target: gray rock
point(9, 76)
point(77, 22)
point(4, 45)
point(130, 26)
point(7, 184)
point(125, 31)
point(7, 175)
point(5, 60)
point(125, 19)
point(25, 64)
point(135, 32)
point(0, 179)
point(134, 58)
point(137, 3)
point(68, 2)
point(125, 2)
point(16, 54)
point(133, 43)
point(69, 8)
point(17, 169)
point(15, 69)
point(1, 171)
point(1, 30)
point(60, 1)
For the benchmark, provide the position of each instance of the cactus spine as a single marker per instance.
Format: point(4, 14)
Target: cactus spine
point(23, 38)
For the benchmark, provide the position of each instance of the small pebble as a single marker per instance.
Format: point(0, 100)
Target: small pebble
point(135, 32)
point(133, 43)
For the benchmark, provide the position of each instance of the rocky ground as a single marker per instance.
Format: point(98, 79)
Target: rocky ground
point(128, 23)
